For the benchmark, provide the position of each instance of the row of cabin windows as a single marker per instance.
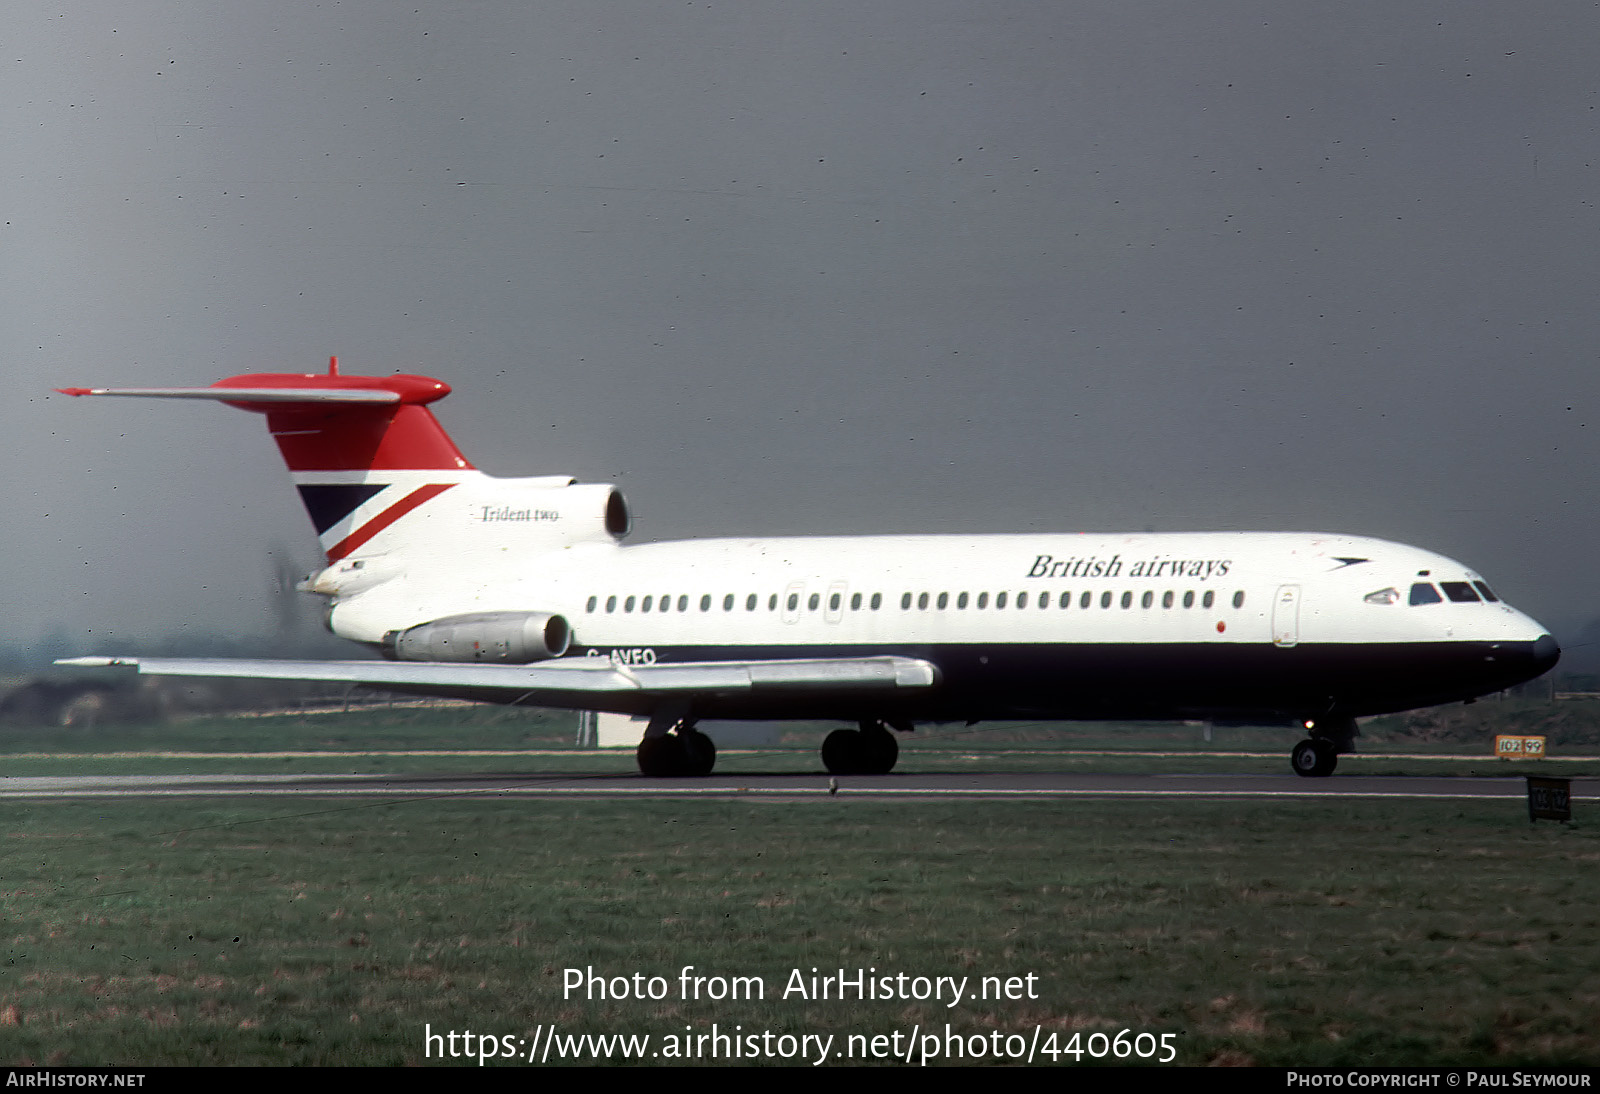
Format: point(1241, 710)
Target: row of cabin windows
point(729, 602)
point(1147, 599)
point(923, 601)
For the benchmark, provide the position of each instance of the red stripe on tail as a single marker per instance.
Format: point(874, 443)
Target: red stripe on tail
point(361, 535)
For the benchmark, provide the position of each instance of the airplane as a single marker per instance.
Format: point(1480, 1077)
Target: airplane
point(521, 591)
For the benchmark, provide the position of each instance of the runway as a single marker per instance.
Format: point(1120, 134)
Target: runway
point(775, 787)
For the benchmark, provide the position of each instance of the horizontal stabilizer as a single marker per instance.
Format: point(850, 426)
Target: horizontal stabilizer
point(337, 430)
point(246, 394)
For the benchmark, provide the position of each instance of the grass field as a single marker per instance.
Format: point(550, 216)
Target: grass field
point(296, 931)
point(288, 932)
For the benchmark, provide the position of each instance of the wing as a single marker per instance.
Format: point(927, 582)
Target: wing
point(576, 683)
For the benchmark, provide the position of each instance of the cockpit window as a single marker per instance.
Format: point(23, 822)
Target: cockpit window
point(1487, 594)
point(1424, 593)
point(1383, 596)
point(1459, 591)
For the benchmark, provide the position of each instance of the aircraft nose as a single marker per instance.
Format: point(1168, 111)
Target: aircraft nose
point(1545, 654)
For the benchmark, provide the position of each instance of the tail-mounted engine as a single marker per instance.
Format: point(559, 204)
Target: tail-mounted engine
point(486, 515)
point(510, 638)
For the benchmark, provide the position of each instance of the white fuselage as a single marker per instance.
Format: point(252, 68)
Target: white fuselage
point(1019, 624)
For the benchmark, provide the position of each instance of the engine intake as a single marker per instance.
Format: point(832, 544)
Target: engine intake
point(510, 638)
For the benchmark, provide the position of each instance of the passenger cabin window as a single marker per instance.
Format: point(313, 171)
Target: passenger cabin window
point(1166, 599)
point(1238, 599)
point(644, 607)
point(1424, 593)
point(961, 600)
point(1085, 600)
point(750, 602)
point(1188, 599)
point(683, 603)
point(727, 603)
point(1209, 599)
point(705, 602)
point(983, 600)
point(611, 603)
point(1105, 600)
point(1147, 599)
point(944, 601)
point(999, 600)
point(1066, 601)
point(855, 602)
point(1460, 592)
point(877, 601)
point(905, 601)
point(592, 602)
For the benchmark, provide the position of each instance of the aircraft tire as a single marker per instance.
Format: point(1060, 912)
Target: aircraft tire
point(879, 751)
point(1314, 759)
point(662, 757)
point(841, 752)
point(699, 753)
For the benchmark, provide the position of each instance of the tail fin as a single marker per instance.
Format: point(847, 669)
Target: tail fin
point(363, 450)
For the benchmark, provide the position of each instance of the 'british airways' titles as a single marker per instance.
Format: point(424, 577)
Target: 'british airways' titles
point(1093, 566)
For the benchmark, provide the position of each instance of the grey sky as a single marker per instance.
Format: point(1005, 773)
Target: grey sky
point(782, 268)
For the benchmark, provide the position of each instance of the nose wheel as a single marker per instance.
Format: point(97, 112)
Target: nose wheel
point(1314, 758)
point(1317, 755)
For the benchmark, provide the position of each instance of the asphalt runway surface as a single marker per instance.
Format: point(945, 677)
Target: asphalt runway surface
point(772, 787)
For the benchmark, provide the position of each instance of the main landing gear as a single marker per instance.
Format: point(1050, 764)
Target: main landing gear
point(672, 748)
point(1317, 755)
point(870, 750)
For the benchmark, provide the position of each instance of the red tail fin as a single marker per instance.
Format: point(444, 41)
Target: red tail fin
point(317, 430)
point(349, 442)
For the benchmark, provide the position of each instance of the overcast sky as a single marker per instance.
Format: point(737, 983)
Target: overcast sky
point(787, 268)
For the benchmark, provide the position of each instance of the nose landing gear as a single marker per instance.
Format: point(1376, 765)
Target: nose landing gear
point(1314, 758)
point(1317, 755)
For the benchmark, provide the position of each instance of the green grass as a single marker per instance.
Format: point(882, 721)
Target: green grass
point(294, 931)
point(377, 729)
point(299, 932)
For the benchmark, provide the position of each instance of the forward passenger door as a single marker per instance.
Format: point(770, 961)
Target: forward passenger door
point(1286, 617)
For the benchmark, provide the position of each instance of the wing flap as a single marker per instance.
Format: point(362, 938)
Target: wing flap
point(569, 677)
